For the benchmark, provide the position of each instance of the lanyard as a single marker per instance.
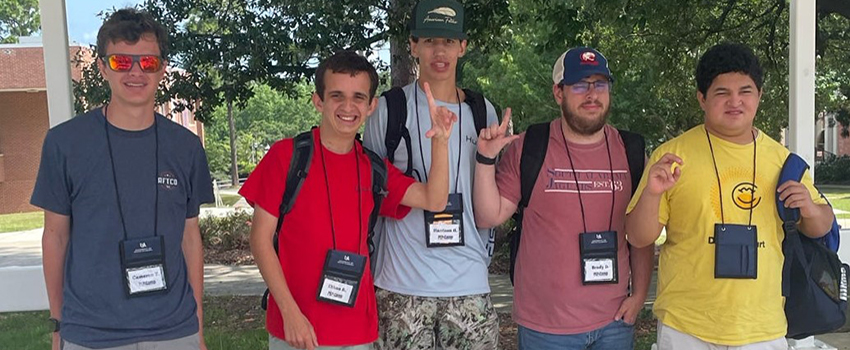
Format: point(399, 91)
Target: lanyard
point(115, 177)
point(575, 178)
point(359, 197)
point(459, 128)
point(717, 174)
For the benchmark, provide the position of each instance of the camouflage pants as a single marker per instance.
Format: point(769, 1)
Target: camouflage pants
point(423, 323)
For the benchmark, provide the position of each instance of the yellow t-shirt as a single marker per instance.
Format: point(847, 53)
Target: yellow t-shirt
point(722, 311)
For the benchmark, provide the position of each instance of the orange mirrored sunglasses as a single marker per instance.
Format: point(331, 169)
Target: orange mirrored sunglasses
point(124, 63)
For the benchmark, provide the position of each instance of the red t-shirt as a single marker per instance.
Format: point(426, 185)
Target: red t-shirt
point(306, 234)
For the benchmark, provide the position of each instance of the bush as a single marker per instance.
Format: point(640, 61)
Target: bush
point(226, 233)
point(833, 170)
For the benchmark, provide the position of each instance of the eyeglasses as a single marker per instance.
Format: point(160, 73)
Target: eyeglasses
point(582, 87)
point(124, 63)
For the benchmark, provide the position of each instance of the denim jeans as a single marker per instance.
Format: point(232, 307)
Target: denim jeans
point(616, 335)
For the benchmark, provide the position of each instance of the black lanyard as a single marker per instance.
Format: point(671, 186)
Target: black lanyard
point(575, 178)
point(459, 135)
point(720, 189)
point(115, 177)
point(359, 197)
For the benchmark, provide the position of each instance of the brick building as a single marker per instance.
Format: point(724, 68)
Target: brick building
point(829, 137)
point(24, 119)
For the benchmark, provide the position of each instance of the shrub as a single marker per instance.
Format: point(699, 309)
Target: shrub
point(833, 170)
point(227, 232)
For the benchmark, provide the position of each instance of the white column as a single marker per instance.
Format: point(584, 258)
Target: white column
point(57, 60)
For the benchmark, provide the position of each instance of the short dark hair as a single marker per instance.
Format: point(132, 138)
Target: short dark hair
point(346, 62)
point(728, 58)
point(129, 24)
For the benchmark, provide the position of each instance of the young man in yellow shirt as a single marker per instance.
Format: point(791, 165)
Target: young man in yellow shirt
point(714, 188)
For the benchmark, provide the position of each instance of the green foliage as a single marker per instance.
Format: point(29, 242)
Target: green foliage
point(21, 221)
point(226, 233)
point(18, 18)
point(834, 170)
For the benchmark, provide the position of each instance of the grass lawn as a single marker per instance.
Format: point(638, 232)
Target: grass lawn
point(227, 199)
point(839, 196)
point(21, 221)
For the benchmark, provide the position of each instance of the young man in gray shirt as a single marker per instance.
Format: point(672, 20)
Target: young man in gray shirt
point(121, 188)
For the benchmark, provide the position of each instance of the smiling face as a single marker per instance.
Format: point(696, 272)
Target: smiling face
point(584, 112)
point(346, 103)
point(730, 105)
point(133, 88)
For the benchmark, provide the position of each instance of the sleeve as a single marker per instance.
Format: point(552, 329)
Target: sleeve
point(267, 182)
point(813, 191)
point(397, 186)
point(508, 172)
point(492, 114)
point(376, 129)
point(52, 191)
point(200, 190)
point(664, 205)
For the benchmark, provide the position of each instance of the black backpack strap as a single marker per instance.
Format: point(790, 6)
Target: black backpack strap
point(299, 165)
point(478, 105)
point(635, 155)
point(379, 192)
point(396, 125)
point(534, 148)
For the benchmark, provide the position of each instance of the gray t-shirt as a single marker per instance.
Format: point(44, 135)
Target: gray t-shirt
point(75, 179)
point(404, 264)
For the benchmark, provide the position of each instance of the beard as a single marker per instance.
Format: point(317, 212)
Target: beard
point(584, 126)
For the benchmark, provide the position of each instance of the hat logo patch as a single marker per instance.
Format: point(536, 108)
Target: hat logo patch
point(588, 58)
point(442, 14)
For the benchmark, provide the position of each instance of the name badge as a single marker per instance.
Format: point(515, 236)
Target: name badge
point(341, 277)
point(598, 257)
point(445, 229)
point(143, 266)
point(735, 251)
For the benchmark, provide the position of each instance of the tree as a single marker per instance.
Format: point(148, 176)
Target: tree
point(18, 18)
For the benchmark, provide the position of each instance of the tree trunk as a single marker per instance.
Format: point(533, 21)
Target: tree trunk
point(234, 170)
point(402, 67)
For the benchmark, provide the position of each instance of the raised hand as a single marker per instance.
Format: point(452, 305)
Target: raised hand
point(492, 139)
point(662, 177)
point(442, 118)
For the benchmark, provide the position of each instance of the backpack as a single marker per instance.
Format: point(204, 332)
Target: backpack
point(397, 119)
point(814, 280)
point(534, 148)
point(302, 156)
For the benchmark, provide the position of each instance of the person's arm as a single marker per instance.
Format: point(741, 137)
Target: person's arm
point(641, 263)
point(297, 328)
point(433, 195)
point(54, 247)
point(815, 219)
point(491, 209)
point(642, 223)
point(193, 252)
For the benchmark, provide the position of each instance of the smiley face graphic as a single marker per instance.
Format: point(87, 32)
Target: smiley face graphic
point(745, 197)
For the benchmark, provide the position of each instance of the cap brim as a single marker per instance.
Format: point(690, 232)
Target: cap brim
point(586, 74)
point(438, 33)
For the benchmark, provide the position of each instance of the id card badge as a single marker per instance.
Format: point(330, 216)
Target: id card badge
point(598, 257)
point(445, 229)
point(735, 251)
point(341, 277)
point(143, 266)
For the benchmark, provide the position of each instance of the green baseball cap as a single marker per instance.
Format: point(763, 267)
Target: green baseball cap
point(437, 19)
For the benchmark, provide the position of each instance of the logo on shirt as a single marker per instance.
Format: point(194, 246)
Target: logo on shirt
point(745, 197)
point(166, 180)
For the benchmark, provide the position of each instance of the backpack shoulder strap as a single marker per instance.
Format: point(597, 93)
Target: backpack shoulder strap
point(793, 169)
point(478, 105)
point(396, 125)
point(379, 191)
point(534, 148)
point(635, 155)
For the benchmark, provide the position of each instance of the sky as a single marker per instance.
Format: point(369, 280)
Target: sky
point(83, 21)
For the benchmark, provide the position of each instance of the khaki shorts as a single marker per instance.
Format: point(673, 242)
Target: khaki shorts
point(671, 339)
point(192, 342)
point(279, 344)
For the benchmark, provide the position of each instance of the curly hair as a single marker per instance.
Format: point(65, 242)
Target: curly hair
point(346, 62)
point(728, 58)
point(129, 25)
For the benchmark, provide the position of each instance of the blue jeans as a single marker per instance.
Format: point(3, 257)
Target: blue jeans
point(616, 335)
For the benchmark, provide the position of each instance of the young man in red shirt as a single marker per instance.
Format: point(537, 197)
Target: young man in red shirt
point(326, 230)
